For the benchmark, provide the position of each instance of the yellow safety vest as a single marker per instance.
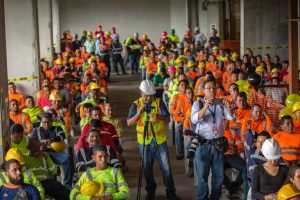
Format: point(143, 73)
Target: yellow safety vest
point(158, 126)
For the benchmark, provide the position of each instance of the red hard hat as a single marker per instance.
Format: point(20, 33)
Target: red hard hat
point(164, 33)
point(187, 33)
point(99, 26)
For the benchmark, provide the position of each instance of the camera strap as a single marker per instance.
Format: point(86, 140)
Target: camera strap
point(213, 113)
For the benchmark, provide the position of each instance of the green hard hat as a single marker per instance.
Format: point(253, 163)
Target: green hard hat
point(172, 31)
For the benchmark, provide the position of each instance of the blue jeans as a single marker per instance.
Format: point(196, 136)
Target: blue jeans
point(64, 160)
point(150, 154)
point(207, 156)
point(179, 138)
point(134, 62)
point(143, 74)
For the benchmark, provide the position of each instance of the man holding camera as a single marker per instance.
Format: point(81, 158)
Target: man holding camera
point(154, 147)
point(207, 115)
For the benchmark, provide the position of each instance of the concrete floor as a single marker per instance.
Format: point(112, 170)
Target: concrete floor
point(122, 92)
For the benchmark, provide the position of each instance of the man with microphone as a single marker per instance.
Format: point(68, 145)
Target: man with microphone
point(153, 147)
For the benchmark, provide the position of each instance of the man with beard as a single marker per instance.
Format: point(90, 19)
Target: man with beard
point(15, 188)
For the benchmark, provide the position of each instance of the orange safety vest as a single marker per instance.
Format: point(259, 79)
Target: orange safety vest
point(289, 144)
point(179, 105)
point(234, 141)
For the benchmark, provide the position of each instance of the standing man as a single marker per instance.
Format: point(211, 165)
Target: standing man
point(207, 116)
point(117, 49)
point(199, 37)
point(135, 53)
point(158, 116)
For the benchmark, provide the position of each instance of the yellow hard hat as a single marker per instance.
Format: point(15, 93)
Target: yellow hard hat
point(107, 33)
point(287, 191)
point(191, 63)
point(90, 33)
point(94, 86)
point(58, 146)
point(162, 48)
point(77, 50)
point(259, 69)
point(71, 60)
point(67, 54)
point(201, 64)
point(92, 188)
point(146, 48)
point(215, 48)
point(235, 55)
point(186, 49)
point(179, 60)
point(145, 36)
point(59, 62)
point(54, 96)
point(14, 153)
point(275, 70)
point(296, 107)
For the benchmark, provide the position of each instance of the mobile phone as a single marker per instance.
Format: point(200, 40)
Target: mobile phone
point(217, 102)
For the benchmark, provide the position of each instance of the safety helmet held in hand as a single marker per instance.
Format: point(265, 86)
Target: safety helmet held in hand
point(14, 153)
point(271, 150)
point(147, 87)
point(287, 191)
point(58, 146)
point(92, 188)
point(54, 96)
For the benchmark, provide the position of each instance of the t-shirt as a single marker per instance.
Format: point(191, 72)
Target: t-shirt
point(24, 192)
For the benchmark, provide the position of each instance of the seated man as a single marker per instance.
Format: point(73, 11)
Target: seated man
point(18, 117)
point(109, 176)
point(29, 177)
point(33, 111)
point(18, 140)
point(84, 155)
point(289, 141)
point(15, 188)
point(44, 169)
point(48, 134)
point(13, 94)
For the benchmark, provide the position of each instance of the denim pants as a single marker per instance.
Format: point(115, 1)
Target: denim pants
point(60, 158)
point(143, 74)
point(179, 137)
point(134, 62)
point(208, 157)
point(55, 189)
point(150, 154)
point(235, 162)
point(117, 59)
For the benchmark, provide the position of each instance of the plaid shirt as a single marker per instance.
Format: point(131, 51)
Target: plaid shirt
point(278, 94)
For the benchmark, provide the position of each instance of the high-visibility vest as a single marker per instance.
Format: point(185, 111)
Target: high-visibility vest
point(158, 126)
point(289, 144)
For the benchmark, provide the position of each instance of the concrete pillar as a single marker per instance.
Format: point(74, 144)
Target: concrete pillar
point(264, 32)
point(4, 135)
point(45, 28)
point(56, 25)
point(22, 44)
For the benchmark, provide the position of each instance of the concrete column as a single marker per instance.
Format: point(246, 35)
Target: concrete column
point(56, 25)
point(4, 134)
point(45, 28)
point(22, 44)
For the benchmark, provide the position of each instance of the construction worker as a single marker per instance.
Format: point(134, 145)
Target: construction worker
point(258, 122)
point(115, 186)
point(48, 134)
point(84, 155)
point(17, 138)
point(32, 111)
point(179, 105)
point(143, 61)
point(44, 169)
point(13, 94)
point(296, 112)
point(233, 93)
point(110, 118)
point(158, 116)
point(173, 37)
point(15, 188)
point(135, 53)
point(98, 31)
point(62, 91)
point(288, 192)
point(117, 49)
point(104, 52)
point(289, 141)
point(89, 44)
point(18, 117)
point(28, 175)
point(199, 37)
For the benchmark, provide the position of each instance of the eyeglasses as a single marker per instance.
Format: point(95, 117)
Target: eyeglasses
point(210, 88)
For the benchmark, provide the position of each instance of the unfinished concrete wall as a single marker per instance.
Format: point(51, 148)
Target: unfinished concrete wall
point(151, 17)
point(178, 16)
point(264, 24)
point(21, 44)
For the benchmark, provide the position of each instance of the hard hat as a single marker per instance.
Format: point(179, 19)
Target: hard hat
point(271, 150)
point(275, 70)
point(259, 69)
point(146, 48)
point(191, 63)
point(186, 49)
point(235, 55)
point(99, 26)
point(90, 33)
point(136, 34)
point(54, 96)
point(67, 54)
point(92, 188)
point(59, 61)
point(145, 36)
point(215, 48)
point(94, 86)
point(147, 87)
point(14, 153)
point(72, 60)
point(196, 28)
point(77, 50)
point(180, 46)
point(58, 146)
point(172, 69)
point(164, 34)
point(187, 34)
point(179, 60)
point(107, 33)
point(172, 31)
point(201, 64)
point(192, 58)
point(46, 108)
point(163, 48)
point(98, 35)
point(287, 191)
point(296, 107)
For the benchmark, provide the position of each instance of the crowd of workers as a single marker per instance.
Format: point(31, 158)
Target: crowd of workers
point(201, 89)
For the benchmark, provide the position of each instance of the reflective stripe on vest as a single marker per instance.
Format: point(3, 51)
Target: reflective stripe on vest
point(23, 120)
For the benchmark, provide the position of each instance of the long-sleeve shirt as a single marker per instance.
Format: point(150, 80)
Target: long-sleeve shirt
point(84, 159)
point(7, 192)
point(213, 118)
point(55, 132)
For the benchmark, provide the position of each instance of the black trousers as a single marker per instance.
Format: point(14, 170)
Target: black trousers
point(55, 189)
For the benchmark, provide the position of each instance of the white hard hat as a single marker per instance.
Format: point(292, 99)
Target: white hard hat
point(46, 108)
point(98, 35)
point(271, 150)
point(147, 87)
point(196, 28)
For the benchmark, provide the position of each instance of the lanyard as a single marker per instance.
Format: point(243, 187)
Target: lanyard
point(213, 113)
